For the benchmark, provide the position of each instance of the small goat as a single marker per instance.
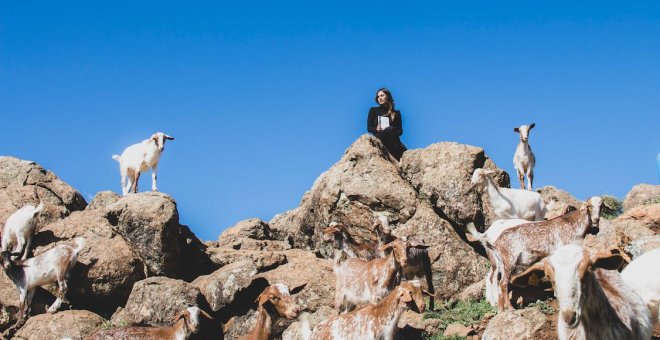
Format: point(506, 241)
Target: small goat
point(18, 230)
point(510, 203)
point(490, 236)
point(138, 158)
point(52, 266)
point(374, 321)
point(527, 243)
point(593, 303)
point(338, 233)
point(523, 159)
point(360, 281)
point(273, 301)
point(419, 261)
point(643, 276)
point(185, 323)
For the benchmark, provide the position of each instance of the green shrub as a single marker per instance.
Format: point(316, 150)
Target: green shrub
point(464, 312)
point(543, 306)
point(613, 203)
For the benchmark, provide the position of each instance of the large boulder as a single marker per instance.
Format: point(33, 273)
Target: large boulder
point(220, 287)
point(253, 228)
point(647, 215)
point(641, 194)
point(107, 266)
point(149, 222)
point(23, 182)
point(455, 264)
point(557, 201)
point(156, 301)
point(102, 199)
point(642, 245)
point(72, 324)
point(442, 172)
point(515, 324)
point(365, 180)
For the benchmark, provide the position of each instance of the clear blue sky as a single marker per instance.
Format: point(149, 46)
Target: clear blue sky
point(263, 97)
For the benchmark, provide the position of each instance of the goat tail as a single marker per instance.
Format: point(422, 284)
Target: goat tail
point(80, 243)
point(116, 157)
point(477, 235)
point(305, 329)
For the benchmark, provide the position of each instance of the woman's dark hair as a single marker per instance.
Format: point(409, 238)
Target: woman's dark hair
point(389, 102)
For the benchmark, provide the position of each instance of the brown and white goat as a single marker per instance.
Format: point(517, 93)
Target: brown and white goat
point(52, 266)
point(419, 261)
point(374, 321)
point(594, 303)
point(274, 301)
point(359, 281)
point(522, 245)
point(185, 323)
point(338, 233)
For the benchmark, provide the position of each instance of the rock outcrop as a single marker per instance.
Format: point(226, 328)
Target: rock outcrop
point(141, 266)
point(641, 194)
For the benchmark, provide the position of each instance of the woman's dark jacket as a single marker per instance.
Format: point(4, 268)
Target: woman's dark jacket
point(389, 136)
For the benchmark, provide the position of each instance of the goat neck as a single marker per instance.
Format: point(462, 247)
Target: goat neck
point(605, 314)
point(264, 323)
point(387, 312)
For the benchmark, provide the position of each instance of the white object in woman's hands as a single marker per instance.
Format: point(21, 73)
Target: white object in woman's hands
point(383, 122)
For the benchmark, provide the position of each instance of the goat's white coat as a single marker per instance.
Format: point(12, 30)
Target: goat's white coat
point(643, 275)
point(139, 158)
point(510, 203)
point(18, 230)
point(524, 159)
point(491, 234)
point(593, 314)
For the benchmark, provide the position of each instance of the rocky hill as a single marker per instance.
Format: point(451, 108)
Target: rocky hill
point(141, 266)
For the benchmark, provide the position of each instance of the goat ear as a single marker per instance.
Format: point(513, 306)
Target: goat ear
point(516, 129)
point(426, 292)
point(531, 276)
point(532, 126)
point(182, 314)
point(607, 261)
point(168, 137)
point(386, 247)
point(206, 315)
point(262, 298)
point(297, 289)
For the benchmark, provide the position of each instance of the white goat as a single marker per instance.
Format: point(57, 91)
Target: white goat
point(523, 159)
point(52, 266)
point(490, 235)
point(593, 303)
point(139, 158)
point(18, 230)
point(185, 323)
point(643, 276)
point(510, 203)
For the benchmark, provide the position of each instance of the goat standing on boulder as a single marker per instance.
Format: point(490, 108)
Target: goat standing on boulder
point(139, 158)
point(18, 230)
point(52, 266)
point(523, 159)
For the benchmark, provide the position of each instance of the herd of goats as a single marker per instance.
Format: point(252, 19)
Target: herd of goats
point(377, 281)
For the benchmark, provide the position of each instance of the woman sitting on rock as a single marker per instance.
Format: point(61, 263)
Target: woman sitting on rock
point(385, 123)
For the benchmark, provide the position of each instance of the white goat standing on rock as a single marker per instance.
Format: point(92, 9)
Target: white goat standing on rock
point(523, 159)
point(510, 203)
point(138, 158)
point(18, 230)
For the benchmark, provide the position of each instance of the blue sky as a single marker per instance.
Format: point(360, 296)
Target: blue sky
point(263, 97)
